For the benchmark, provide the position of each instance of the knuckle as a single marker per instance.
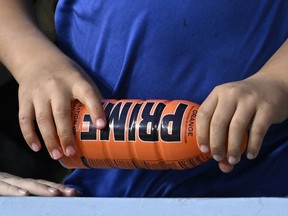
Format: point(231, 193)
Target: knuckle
point(233, 91)
point(88, 91)
point(217, 123)
point(254, 149)
point(11, 188)
point(50, 141)
point(42, 118)
point(203, 112)
point(234, 150)
point(28, 135)
point(218, 88)
point(65, 136)
point(216, 148)
point(237, 124)
point(258, 130)
point(223, 88)
point(201, 140)
point(52, 82)
point(98, 106)
point(61, 113)
point(30, 183)
point(24, 119)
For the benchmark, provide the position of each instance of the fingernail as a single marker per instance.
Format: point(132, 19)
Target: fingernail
point(232, 160)
point(22, 192)
point(100, 123)
point(250, 156)
point(204, 148)
point(218, 158)
point(35, 147)
point(69, 190)
point(52, 190)
point(56, 154)
point(70, 151)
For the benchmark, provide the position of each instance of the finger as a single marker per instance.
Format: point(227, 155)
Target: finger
point(32, 186)
point(203, 119)
point(47, 128)
point(225, 166)
point(62, 117)
point(92, 101)
point(66, 191)
point(259, 127)
point(7, 189)
point(26, 122)
point(219, 128)
point(237, 129)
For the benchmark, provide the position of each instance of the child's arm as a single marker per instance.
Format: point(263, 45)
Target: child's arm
point(48, 80)
point(255, 103)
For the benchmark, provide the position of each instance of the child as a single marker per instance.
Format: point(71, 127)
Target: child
point(229, 56)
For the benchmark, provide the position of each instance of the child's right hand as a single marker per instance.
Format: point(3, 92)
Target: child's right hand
point(46, 91)
point(48, 81)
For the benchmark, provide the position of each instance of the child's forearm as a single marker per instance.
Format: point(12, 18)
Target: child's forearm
point(21, 42)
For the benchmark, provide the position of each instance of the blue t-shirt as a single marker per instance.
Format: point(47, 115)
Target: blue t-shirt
point(168, 49)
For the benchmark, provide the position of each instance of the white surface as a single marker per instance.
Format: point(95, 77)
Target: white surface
point(142, 206)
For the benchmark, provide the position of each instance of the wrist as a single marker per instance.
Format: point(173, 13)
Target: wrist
point(34, 57)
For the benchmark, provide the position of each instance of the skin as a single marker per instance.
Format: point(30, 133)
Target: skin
point(49, 81)
point(11, 185)
point(232, 108)
point(47, 88)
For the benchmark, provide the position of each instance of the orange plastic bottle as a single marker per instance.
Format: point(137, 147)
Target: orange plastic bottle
point(151, 134)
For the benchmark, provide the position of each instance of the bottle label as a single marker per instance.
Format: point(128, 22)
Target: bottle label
point(128, 120)
point(152, 134)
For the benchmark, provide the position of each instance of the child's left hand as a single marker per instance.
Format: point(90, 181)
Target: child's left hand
point(231, 109)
